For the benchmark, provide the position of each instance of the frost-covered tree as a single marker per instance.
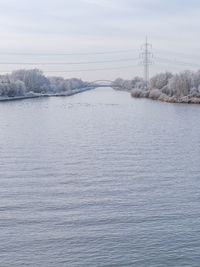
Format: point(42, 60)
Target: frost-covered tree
point(34, 80)
point(59, 84)
point(118, 83)
point(75, 83)
point(160, 80)
point(137, 82)
point(180, 84)
point(56, 84)
point(12, 89)
point(196, 79)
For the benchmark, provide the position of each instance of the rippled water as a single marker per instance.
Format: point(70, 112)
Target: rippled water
point(99, 179)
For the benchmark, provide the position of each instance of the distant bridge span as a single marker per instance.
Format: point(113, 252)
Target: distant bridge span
point(102, 83)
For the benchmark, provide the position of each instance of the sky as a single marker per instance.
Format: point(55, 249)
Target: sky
point(99, 39)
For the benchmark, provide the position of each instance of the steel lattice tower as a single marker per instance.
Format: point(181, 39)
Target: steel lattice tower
point(146, 58)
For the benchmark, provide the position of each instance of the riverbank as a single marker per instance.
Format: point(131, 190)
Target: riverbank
point(181, 100)
point(37, 95)
point(156, 95)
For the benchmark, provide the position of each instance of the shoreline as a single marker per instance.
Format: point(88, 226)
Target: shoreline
point(37, 95)
point(165, 98)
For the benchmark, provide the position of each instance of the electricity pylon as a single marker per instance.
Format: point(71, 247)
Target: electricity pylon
point(146, 58)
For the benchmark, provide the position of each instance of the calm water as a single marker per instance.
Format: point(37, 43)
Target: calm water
point(99, 179)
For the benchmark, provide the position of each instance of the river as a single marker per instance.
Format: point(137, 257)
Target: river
point(99, 179)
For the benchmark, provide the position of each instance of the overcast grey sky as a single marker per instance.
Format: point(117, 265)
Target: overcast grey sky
point(89, 26)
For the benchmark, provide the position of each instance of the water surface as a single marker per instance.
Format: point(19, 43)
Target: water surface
point(99, 179)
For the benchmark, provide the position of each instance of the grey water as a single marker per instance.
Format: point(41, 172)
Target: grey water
point(99, 179)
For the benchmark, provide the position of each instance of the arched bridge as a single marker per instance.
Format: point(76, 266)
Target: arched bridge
point(102, 83)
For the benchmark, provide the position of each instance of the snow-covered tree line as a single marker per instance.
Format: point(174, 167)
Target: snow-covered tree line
point(164, 86)
point(24, 82)
point(137, 82)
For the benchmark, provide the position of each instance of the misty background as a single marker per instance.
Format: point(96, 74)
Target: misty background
point(98, 39)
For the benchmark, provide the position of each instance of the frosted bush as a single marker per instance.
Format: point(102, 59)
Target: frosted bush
point(165, 90)
point(136, 92)
point(194, 92)
point(155, 93)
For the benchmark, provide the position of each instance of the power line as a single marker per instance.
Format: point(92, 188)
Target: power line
point(182, 55)
point(68, 54)
point(146, 57)
point(67, 63)
point(99, 69)
point(82, 70)
point(177, 62)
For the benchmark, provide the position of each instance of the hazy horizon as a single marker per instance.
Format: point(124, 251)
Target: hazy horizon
point(80, 27)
